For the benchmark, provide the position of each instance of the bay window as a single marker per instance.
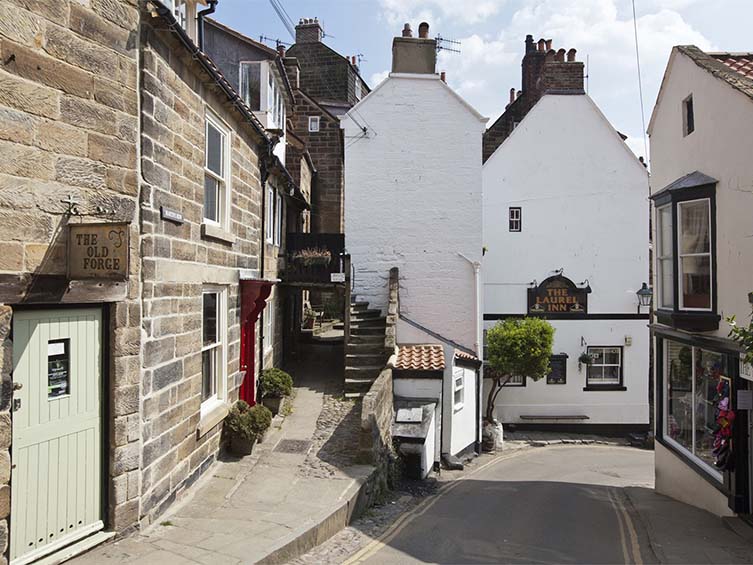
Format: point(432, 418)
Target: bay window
point(685, 254)
point(250, 84)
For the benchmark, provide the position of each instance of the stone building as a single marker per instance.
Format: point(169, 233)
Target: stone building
point(329, 85)
point(133, 265)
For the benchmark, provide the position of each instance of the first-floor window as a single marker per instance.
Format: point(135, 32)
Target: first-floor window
point(694, 385)
point(270, 213)
point(213, 344)
point(216, 171)
point(605, 367)
point(694, 242)
point(516, 381)
point(458, 378)
point(313, 124)
point(278, 220)
point(516, 221)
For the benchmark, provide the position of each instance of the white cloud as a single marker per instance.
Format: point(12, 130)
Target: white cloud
point(376, 78)
point(435, 11)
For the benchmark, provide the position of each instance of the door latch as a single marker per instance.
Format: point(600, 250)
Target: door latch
point(16, 404)
point(18, 386)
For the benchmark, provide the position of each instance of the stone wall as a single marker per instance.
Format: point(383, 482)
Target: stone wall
point(68, 129)
point(181, 259)
point(375, 444)
point(393, 311)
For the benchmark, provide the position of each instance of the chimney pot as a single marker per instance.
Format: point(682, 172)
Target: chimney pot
point(560, 56)
point(548, 44)
point(443, 76)
point(571, 55)
point(407, 31)
point(281, 50)
point(551, 56)
point(542, 45)
point(517, 94)
point(423, 30)
point(512, 95)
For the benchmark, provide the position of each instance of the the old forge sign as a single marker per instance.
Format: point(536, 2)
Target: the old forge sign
point(558, 295)
point(98, 251)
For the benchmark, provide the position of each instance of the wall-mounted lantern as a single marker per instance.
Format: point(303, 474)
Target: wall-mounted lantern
point(644, 296)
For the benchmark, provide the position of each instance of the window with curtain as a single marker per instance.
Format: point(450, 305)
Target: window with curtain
point(694, 243)
point(250, 84)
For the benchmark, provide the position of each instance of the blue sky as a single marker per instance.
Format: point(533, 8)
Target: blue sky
point(492, 34)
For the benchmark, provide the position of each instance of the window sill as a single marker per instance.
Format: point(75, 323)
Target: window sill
point(689, 460)
point(688, 320)
point(590, 388)
point(212, 415)
point(458, 407)
point(213, 231)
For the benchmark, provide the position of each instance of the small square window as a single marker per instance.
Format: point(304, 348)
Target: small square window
point(458, 377)
point(516, 220)
point(313, 123)
point(688, 118)
point(605, 367)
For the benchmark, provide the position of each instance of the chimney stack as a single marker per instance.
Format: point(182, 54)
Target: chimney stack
point(530, 46)
point(308, 30)
point(546, 69)
point(571, 56)
point(414, 55)
point(281, 50)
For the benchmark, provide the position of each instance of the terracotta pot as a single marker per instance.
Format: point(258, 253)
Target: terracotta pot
point(273, 403)
point(241, 446)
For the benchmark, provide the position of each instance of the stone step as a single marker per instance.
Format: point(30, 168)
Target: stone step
point(359, 305)
point(358, 385)
point(375, 348)
point(366, 339)
point(371, 322)
point(355, 395)
point(363, 372)
point(364, 359)
point(361, 314)
point(367, 330)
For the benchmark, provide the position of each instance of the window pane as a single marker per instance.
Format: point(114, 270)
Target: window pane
point(707, 372)
point(694, 229)
point(612, 356)
point(208, 373)
point(595, 373)
point(251, 85)
point(597, 355)
point(666, 282)
point(679, 382)
point(209, 318)
point(215, 140)
point(665, 232)
point(211, 198)
point(611, 375)
point(696, 282)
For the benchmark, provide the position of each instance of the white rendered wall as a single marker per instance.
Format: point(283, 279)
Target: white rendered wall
point(464, 423)
point(584, 201)
point(413, 200)
point(720, 147)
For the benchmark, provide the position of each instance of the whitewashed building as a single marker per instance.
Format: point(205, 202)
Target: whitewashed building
point(413, 201)
point(702, 193)
point(566, 226)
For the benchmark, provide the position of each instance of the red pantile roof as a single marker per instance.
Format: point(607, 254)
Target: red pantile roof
point(420, 358)
point(463, 355)
point(741, 63)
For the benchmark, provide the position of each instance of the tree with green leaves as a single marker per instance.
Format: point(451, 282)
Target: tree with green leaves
point(519, 347)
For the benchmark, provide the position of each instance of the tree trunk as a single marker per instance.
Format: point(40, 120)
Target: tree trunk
point(493, 394)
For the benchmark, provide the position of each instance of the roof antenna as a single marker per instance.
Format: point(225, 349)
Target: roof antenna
point(586, 77)
point(441, 44)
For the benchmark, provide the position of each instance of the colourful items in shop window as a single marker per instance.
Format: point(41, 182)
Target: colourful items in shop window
point(725, 418)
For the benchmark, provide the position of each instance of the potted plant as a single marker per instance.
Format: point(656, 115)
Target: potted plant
point(274, 384)
point(245, 425)
point(312, 257)
point(584, 359)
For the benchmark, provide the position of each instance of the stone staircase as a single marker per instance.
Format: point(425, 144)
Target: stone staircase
point(365, 354)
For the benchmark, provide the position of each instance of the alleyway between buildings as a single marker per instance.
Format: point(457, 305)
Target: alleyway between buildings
point(248, 509)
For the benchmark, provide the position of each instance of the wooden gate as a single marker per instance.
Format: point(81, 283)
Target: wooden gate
point(56, 477)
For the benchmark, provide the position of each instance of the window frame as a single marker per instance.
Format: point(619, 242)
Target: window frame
point(660, 258)
point(243, 87)
point(679, 256)
point(688, 116)
point(220, 362)
point(318, 121)
point(602, 385)
point(458, 376)
point(269, 235)
point(278, 217)
point(358, 90)
point(224, 185)
point(511, 213)
point(268, 341)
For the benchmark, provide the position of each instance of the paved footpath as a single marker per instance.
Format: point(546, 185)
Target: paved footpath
point(245, 509)
point(544, 503)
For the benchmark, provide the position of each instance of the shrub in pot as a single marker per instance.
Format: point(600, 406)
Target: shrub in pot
point(245, 425)
point(274, 384)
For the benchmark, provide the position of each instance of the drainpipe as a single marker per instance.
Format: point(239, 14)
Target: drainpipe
point(200, 21)
point(477, 276)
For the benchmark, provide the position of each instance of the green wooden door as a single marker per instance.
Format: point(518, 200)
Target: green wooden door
point(56, 450)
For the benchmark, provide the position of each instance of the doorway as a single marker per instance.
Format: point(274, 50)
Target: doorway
point(57, 448)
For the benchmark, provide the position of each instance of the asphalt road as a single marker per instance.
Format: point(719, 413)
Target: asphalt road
point(553, 505)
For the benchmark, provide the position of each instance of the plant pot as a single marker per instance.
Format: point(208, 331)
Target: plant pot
point(273, 403)
point(241, 446)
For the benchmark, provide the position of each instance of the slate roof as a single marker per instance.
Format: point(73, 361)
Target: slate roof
point(733, 68)
point(691, 180)
point(420, 358)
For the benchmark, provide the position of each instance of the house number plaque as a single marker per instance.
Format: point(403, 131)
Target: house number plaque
point(98, 251)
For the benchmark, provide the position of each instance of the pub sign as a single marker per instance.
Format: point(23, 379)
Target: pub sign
point(98, 251)
point(558, 295)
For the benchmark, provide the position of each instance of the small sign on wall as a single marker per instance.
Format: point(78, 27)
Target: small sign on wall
point(98, 251)
point(746, 370)
point(337, 277)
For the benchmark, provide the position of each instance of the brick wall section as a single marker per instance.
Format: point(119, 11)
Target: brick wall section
point(326, 149)
point(68, 126)
point(179, 261)
point(541, 73)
